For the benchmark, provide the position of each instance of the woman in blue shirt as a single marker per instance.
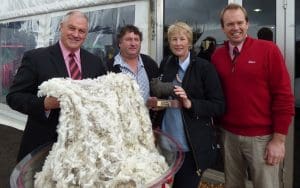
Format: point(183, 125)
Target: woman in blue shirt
point(198, 91)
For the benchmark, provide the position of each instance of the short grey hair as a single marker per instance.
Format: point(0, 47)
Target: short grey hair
point(74, 12)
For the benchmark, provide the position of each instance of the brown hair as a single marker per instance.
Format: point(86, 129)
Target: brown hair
point(232, 6)
point(129, 29)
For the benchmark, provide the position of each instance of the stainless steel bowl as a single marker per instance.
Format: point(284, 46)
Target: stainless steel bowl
point(23, 174)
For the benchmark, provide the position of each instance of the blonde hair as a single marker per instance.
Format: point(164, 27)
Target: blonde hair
point(182, 28)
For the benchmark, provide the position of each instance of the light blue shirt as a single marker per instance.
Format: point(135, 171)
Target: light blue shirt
point(172, 122)
point(140, 77)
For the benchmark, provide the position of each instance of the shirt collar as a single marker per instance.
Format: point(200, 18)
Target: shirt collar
point(238, 46)
point(66, 52)
point(120, 61)
point(184, 65)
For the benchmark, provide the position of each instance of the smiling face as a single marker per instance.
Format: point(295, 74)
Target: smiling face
point(235, 26)
point(130, 45)
point(179, 45)
point(74, 30)
point(180, 37)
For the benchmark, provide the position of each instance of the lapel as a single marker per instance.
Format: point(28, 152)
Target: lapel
point(84, 64)
point(56, 57)
point(170, 69)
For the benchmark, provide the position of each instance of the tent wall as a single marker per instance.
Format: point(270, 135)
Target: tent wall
point(31, 24)
point(22, 8)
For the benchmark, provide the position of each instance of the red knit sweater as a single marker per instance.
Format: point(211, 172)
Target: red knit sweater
point(258, 92)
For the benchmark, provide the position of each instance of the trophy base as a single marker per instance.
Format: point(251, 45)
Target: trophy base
point(168, 103)
point(162, 103)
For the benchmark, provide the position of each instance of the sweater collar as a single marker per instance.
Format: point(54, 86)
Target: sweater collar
point(230, 47)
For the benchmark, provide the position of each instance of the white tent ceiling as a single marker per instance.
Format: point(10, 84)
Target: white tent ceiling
point(11, 9)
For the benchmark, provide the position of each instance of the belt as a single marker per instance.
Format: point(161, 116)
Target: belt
point(154, 103)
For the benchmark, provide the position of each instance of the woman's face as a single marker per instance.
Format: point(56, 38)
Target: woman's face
point(179, 45)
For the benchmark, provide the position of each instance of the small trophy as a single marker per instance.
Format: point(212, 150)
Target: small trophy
point(162, 89)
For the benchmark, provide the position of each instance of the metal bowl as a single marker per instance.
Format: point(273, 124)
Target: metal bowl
point(23, 174)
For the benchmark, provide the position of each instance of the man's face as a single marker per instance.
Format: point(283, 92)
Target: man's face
point(235, 26)
point(73, 32)
point(130, 45)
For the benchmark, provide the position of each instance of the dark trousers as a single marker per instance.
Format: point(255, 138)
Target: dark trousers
point(186, 175)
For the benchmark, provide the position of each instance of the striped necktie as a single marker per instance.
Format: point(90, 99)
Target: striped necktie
point(235, 52)
point(74, 69)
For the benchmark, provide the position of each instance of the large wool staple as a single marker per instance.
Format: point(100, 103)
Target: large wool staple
point(105, 137)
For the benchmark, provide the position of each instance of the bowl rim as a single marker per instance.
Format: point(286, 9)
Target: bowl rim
point(17, 181)
point(174, 167)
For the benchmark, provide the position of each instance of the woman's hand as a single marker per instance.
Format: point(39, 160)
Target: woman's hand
point(182, 96)
point(152, 104)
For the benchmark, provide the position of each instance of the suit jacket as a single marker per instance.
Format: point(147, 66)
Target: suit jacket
point(37, 66)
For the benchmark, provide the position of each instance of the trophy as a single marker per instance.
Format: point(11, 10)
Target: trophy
point(162, 89)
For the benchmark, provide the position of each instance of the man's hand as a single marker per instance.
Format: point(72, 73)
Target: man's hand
point(275, 150)
point(51, 103)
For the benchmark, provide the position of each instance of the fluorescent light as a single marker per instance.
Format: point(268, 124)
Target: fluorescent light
point(257, 10)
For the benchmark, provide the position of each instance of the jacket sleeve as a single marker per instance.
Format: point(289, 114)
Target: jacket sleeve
point(22, 94)
point(209, 100)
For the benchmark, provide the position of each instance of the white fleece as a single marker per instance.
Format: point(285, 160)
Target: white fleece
point(105, 138)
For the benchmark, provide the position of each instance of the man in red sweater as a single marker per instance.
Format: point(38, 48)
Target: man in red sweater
point(260, 103)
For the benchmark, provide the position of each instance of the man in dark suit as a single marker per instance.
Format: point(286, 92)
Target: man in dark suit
point(42, 64)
